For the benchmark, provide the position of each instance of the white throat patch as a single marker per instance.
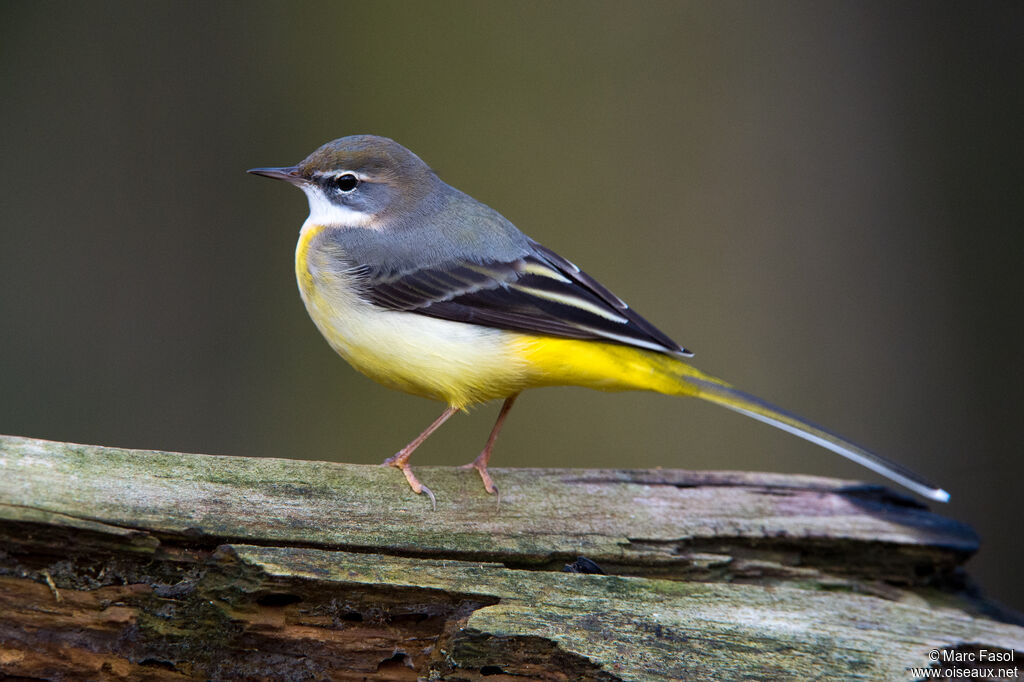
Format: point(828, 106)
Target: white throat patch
point(322, 211)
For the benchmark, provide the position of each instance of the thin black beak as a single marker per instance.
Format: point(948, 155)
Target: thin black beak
point(289, 174)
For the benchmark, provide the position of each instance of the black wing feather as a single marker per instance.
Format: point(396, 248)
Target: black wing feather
point(540, 293)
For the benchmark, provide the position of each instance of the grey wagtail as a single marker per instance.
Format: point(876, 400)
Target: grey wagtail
point(425, 289)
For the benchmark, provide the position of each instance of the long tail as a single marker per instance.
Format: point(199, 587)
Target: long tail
point(716, 391)
point(610, 367)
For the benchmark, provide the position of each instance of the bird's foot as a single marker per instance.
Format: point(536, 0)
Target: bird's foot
point(401, 462)
point(480, 464)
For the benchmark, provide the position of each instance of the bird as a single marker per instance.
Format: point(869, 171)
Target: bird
point(427, 290)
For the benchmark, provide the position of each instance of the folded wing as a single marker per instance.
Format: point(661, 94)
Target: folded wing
point(539, 293)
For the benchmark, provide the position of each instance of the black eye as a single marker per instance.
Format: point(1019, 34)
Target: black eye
point(346, 182)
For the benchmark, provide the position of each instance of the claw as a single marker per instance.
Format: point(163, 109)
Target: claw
point(402, 465)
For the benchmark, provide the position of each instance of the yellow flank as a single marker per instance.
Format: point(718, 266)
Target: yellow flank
point(462, 364)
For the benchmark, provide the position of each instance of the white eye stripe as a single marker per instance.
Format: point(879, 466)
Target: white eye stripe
point(337, 174)
point(323, 211)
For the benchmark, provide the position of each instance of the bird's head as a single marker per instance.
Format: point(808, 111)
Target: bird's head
point(359, 181)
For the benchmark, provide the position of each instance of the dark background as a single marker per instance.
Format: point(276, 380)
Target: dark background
point(823, 200)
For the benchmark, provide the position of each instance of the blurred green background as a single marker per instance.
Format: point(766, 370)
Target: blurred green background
point(823, 200)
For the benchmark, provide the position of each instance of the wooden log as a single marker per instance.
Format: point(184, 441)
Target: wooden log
point(128, 564)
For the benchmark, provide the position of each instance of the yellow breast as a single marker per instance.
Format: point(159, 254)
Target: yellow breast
point(458, 363)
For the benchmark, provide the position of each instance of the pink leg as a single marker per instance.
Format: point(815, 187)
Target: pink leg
point(401, 458)
point(480, 463)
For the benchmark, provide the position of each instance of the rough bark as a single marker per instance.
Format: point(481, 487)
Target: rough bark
point(128, 564)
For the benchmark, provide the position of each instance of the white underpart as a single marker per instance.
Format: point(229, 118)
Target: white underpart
point(323, 211)
point(451, 361)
